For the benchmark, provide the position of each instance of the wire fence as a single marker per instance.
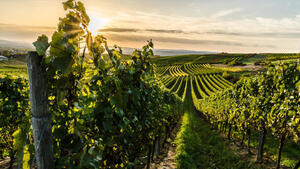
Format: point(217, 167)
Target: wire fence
point(36, 149)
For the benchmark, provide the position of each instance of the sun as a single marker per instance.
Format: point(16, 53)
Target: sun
point(96, 22)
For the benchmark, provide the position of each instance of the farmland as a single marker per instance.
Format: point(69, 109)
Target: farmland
point(198, 86)
point(203, 85)
point(202, 79)
point(81, 103)
point(224, 58)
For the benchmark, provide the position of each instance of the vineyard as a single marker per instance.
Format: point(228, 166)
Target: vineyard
point(201, 80)
point(268, 103)
point(240, 109)
point(231, 59)
point(73, 112)
point(110, 110)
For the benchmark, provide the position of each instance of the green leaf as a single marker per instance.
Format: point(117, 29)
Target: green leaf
point(41, 45)
point(64, 63)
point(107, 125)
point(62, 53)
point(68, 4)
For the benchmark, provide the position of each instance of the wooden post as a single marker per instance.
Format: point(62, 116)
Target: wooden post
point(157, 147)
point(41, 117)
point(149, 156)
point(249, 137)
point(260, 148)
point(280, 149)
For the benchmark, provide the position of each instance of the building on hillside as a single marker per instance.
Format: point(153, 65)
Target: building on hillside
point(3, 58)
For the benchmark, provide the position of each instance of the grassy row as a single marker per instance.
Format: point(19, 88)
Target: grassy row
point(195, 88)
point(222, 58)
point(200, 88)
point(196, 59)
point(203, 84)
point(185, 89)
point(217, 82)
point(213, 83)
point(175, 84)
point(206, 89)
point(180, 84)
point(170, 80)
point(209, 85)
point(199, 147)
point(13, 69)
point(162, 70)
point(195, 69)
point(179, 72)
point(224, 81)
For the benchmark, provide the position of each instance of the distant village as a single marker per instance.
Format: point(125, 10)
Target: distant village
point(6, 54)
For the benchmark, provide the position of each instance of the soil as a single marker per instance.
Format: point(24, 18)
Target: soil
point(4, 164)
point(166, 159)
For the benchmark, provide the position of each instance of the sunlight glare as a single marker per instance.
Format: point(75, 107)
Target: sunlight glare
point(97, 22)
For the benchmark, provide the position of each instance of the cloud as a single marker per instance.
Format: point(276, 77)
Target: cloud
point(165, 31)
point(288, 35)
point(196, 33)
point(126, 30)
point(23, 32)
point(226, 12)
point(26, 27)
point(291, 35)
point(118, 30)
point(186, 41)
point(15, 44)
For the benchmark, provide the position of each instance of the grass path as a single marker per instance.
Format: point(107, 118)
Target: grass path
point(200, 147)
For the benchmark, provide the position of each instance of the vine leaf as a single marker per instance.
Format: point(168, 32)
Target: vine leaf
point(62, 53)
point(68, 4)
point(41, 45)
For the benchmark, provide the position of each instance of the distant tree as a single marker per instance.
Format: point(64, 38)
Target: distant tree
point(6, 53)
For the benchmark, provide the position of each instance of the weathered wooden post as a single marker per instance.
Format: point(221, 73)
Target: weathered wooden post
point(41, 117)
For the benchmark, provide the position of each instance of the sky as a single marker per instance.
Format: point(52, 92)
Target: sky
point(204, 25)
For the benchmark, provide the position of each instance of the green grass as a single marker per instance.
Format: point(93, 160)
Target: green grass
point(223, 58)
point(199, 147)
point(13, 67)
point(253, 59)
point(285, 61)
point(290, 152)
point(281, 56)
point(196, 59)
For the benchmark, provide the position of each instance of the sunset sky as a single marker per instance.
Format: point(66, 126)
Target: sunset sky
point(205, 25)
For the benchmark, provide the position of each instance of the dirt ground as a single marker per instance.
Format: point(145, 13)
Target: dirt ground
point(166, 159)
point(4, 164)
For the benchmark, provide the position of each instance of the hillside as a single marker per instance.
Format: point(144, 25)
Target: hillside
point(223, 58)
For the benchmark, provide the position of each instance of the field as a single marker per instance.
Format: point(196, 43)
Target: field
point(13, 67)
point(222, 58)
point(193, 83)
point(202, 79)
point(196, 82)
point(83, 104)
